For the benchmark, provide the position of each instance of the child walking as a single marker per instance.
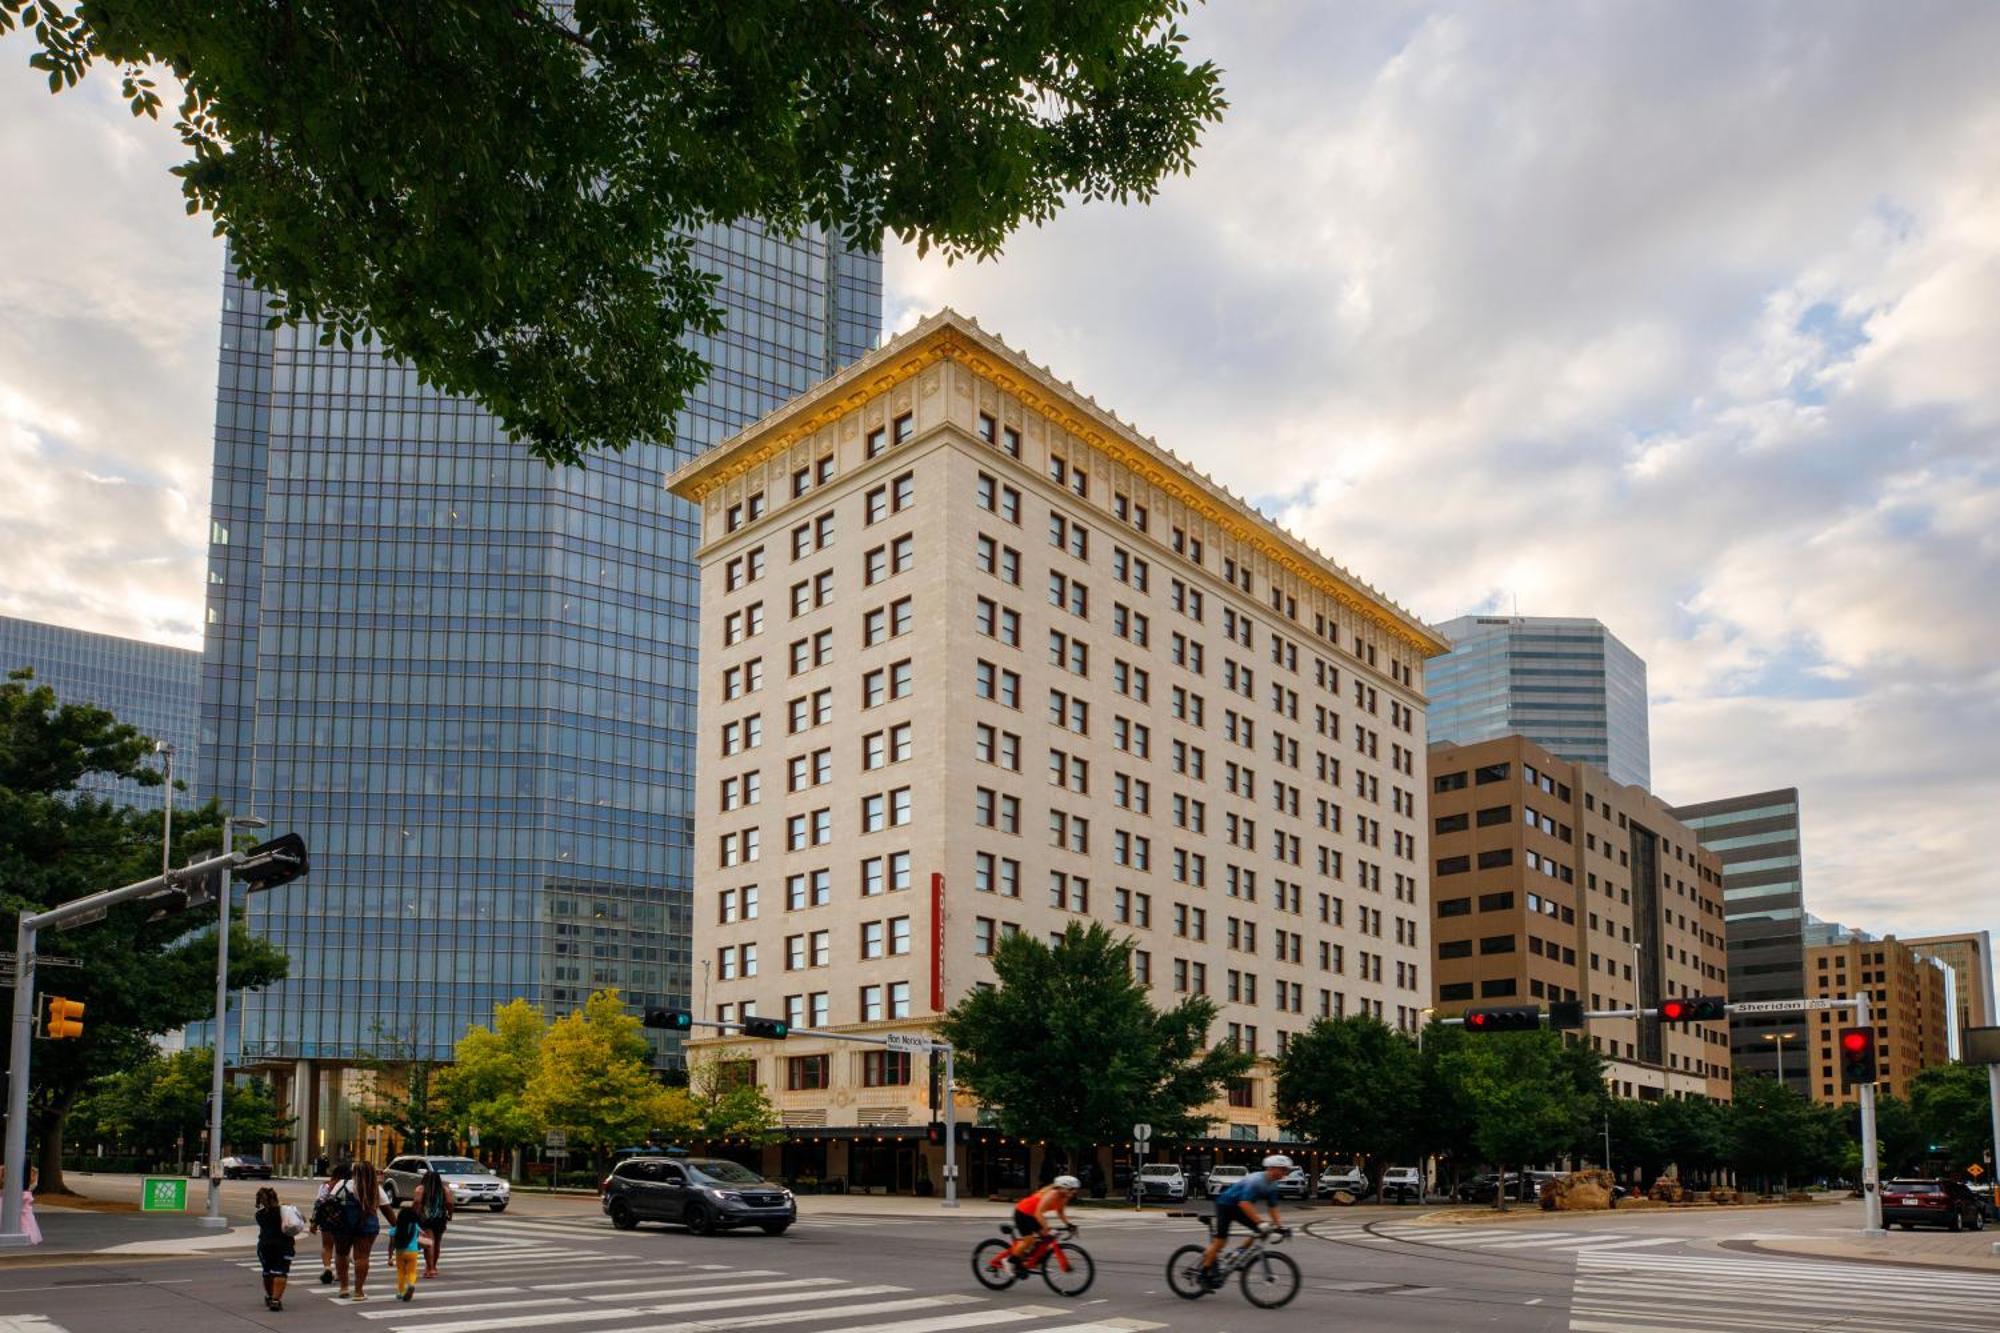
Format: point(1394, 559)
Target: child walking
point(274, 1246)
point(406, 1242)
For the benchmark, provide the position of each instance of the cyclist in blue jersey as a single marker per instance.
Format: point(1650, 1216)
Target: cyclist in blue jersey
point(1237, 1205)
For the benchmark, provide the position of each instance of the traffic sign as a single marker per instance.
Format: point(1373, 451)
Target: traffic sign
point(1141, 1132)
point(163, 1194)
point(1975, 1170)
point(1788, 1006)
point(908, 1041)
point(555, 1138)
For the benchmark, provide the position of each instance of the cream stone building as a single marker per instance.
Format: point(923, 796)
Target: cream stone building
point(980, 658)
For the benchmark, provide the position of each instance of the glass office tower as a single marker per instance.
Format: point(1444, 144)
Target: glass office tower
point(149, 685)
point(1566, 684)
point(467, 679)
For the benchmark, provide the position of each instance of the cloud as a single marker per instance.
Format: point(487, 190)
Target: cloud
point(1682, 320)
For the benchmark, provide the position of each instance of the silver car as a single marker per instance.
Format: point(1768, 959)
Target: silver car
point(471, 1185)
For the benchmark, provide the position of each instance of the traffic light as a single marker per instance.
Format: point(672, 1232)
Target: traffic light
point(1694, 1009)
point(65, 1018)
point(198, 891)
point(935, 1134)
point(269, 864)
point(674, 1020)
point(754, 1026)
point(1506, 1018)
point(1857, 1055)
point(1566, 1014)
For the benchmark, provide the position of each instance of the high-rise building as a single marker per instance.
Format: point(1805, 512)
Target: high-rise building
point(469, 679)
point(1567, 684)
point(1763, 895)
point(1549, 882)
point(1907, 996)
point(149, 685)
point(984, 660)
point(1970, 957)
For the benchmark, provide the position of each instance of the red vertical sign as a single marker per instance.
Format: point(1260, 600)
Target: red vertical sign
point(937, 943)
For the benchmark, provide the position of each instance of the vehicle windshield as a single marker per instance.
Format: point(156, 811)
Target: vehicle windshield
point(725, 1173)
point(457, 1166)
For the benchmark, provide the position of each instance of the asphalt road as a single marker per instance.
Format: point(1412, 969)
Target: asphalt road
point(556, 1263)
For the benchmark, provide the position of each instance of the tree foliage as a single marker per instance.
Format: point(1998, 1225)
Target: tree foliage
point(402, 1092)
point(1952, 1107)
point(1353, 1084)
point(1777, 1135)
point(504, 194)
point(1068, 1046)
point(717, 1105)
point(486, 1085)
point(139, 978)
point(1530, 1096)
point(158, 1108)
point(592, 1079)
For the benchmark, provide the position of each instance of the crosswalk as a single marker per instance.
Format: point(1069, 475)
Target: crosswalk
point(1722, 1293)
point(1504, 1239)
point(505, 1274)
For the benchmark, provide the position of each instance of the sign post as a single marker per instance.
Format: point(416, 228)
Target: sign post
point(1871, 1171)
point(1141, 1133)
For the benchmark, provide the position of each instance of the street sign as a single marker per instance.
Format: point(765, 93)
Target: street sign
point(1975, 1170)
point(84, 918)
point(557, 1154)
point(163, 1194)
point(1787, 1006)
point(1141, 1132)
point(556, 1139)
point(907, 1041)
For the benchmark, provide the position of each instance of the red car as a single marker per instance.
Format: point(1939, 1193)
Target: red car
point(1931, 1203)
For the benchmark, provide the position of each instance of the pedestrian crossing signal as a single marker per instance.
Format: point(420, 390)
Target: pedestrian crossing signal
point(65, 1018)
point(673, 1020)
point(1506, 1018)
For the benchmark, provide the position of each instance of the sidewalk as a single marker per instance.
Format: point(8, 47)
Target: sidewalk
point(1971, 1251)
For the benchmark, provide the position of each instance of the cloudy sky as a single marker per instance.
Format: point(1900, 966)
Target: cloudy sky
point(1684, 317)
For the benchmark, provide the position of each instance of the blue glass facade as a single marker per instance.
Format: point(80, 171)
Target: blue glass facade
point(153, 687)
point(1568, 685)
point(468, 680)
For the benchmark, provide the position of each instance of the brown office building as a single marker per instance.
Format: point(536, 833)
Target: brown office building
point(1906, 997)
point(1552, 882)
point(1970, 957)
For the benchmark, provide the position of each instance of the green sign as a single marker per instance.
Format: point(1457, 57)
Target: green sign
point(164, 1194)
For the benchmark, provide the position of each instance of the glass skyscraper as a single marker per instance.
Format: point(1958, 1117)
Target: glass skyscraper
point(1566, 684)
point(467, 679)
point(149, 685)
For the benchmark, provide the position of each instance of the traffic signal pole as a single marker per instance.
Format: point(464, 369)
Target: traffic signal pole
point(212, 1215)
point(1871, 1170)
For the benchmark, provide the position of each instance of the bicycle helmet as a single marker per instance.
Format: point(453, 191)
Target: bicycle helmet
point(1277, 1161)
point(1070, 1183)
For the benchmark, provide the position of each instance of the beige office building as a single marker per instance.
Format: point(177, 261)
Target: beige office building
point(1970, 958)
point(1551, 882)
point(1907, 1002)
point(979, 658)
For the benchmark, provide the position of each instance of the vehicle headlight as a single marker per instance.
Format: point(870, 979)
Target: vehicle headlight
point(726, 1194)
point(787, 1194)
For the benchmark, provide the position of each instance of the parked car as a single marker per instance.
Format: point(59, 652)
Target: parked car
point(1931, 1203)
point(1483, 1188)
point(245, 1168)
point(1221, 1177)
point(1161, 1180)
point(1344, 1176)
point(1295, 1184)
point(1403, 1184)
point(703, 1194)
point(471, 1185)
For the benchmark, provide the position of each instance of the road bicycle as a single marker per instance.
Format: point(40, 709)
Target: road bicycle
point(1063, 1264)
point(1269, 1279)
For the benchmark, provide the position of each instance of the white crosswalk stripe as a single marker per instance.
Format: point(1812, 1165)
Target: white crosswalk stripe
point(1728, 1293)
point(1514, 1240)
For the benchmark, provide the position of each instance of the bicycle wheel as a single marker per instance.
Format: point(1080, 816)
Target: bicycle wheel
point(1068, 1270)
point(989, 1265)
point(1270, 1280)
point(1184, 1273)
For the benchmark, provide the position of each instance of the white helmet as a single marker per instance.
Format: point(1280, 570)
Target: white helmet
point(1070, 1183)
point(1277, 1161)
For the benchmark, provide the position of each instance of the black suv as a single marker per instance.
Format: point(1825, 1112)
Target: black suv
point(704, 1194)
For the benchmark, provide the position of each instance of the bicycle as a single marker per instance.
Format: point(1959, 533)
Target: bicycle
point(1269, 1279)
point(1067, 1268)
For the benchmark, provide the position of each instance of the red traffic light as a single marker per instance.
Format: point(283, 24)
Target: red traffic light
point(1476, 1019)
point(1505, 1018)
point(1857, 1056)
point(1854, 1043)
point(1694, 1009)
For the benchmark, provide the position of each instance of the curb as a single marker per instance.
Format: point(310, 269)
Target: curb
point(1969, 1264)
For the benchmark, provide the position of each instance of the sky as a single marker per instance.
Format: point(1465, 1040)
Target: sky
point(1683, 317)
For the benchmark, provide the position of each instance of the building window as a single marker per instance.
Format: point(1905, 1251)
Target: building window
point(806, 1073)
point(885, 1069)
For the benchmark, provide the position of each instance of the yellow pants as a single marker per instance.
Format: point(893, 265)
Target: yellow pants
point(406, 1270)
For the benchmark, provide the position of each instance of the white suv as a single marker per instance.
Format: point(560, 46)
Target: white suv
point(1221, 1178)
point(1403, 1184)
point(1349, 1177)
point(1160, 1180)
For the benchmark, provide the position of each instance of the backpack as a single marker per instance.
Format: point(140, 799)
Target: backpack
point(434, 1200)
point(351, 1215)
point(326, 1214)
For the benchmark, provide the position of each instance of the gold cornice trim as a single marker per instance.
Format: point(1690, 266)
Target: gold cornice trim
point(951, 344)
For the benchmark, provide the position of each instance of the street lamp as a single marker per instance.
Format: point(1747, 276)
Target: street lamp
point(165, 749)
point(1423, 1021)
point(1781, 1038)
point(224, 898)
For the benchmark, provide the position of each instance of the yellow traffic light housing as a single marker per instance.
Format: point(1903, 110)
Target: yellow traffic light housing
point(65, 1018)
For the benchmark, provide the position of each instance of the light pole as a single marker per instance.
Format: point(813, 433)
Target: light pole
point(1781, 1038)
point(1423, 1021)
point(166, 751)
point(224, 897)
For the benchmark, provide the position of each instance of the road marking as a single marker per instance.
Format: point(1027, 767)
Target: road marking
point(787, 1284)
point(413, 1311)
point(801, 1316)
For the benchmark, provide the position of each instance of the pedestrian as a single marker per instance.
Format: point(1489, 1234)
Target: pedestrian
point(277, 1225)
point(434, 1212)
point(406, 1243)
point(324, 1222)
point(361, 1201)
point(29, 1226)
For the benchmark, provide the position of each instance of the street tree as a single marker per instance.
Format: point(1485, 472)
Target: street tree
point(720, 1104)
point(1953, 1109)
point(1352, 1084)
point(1775, 1134)
point(158, 1107)
point(592, 1078)
point(1068, 1047)
point(485, 1088)
point(139, 978)
point(1531, 1097)
point(506, 195)
point(401, 1092)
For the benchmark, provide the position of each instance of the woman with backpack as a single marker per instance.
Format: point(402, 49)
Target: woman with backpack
point(277, 1224)
point(360, 1201)
point(434, 1210)
point(322, 1220)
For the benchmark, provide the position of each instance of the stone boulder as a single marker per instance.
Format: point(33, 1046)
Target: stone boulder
point(1579, 1191)
point(1668, 1189)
